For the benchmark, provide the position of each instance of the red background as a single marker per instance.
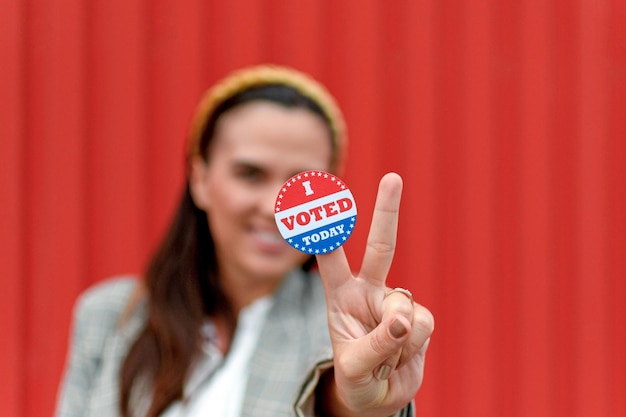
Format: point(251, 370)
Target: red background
point(505, 118)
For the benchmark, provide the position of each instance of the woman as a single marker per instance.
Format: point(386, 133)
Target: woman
point(229, 319)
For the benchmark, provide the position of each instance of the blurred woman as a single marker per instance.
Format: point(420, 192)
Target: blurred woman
point(229, 320)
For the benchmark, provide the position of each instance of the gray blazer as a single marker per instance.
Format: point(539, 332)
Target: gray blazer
point(285, 367)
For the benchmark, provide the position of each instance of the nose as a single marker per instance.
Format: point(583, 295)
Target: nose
point(268, 200)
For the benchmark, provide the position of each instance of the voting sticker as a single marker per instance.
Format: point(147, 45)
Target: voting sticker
point(315, 212)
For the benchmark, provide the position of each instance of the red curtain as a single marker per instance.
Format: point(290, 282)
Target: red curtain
point(506, 120)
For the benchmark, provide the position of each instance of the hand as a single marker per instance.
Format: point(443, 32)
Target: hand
point(379, 342)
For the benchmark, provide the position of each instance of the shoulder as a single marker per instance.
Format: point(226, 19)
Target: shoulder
point(108, 297)
point(99, 309)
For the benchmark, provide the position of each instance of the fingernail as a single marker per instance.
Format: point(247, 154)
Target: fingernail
point(384, 372)
point(397, 329)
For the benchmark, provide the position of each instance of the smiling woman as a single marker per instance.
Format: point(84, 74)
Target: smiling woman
point(232, 320)
point(257, 146)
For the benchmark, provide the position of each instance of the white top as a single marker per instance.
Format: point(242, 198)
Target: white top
point(216, 386)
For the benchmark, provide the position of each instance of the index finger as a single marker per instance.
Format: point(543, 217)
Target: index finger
point(381, 241)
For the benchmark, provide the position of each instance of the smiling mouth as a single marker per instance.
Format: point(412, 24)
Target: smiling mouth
point(269, 237)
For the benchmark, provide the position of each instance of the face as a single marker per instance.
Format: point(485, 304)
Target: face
point(256, 147)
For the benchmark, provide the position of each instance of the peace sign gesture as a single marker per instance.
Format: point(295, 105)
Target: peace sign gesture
point(379, 335)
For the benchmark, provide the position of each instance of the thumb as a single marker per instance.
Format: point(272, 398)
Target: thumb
point(386, 342)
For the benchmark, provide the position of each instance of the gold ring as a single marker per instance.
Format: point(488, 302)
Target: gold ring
point(400, 290)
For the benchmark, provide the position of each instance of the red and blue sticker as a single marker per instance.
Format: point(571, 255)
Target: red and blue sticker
point(315, 212)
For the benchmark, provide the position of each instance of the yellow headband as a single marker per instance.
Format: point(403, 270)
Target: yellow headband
point(244, 79)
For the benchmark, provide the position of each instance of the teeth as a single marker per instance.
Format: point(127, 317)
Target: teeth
point(270, 237)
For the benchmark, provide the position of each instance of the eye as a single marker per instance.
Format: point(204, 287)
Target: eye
point(249, 173)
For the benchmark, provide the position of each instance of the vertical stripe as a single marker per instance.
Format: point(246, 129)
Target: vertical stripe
point(54, 173)
point(450, 201)
point(616, 201)
point(116, 113)
point(535, 294)
point(175, 51)
point(13, 242)
point(479, 173)
point(563, 155)
point(592, 318)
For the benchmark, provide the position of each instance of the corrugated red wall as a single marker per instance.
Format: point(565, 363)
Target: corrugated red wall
point(506, 119)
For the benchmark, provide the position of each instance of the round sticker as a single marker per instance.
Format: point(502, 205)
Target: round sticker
point(315, 212)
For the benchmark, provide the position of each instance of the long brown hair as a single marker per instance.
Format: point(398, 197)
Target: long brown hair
point(182, 283)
